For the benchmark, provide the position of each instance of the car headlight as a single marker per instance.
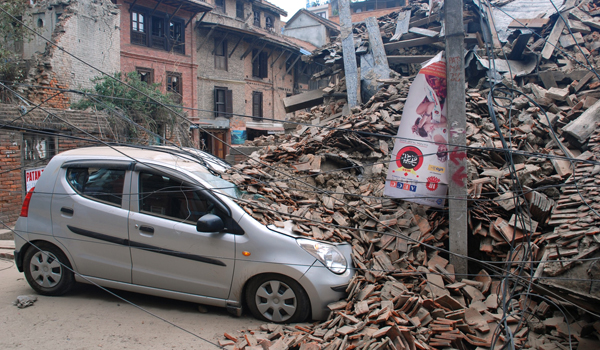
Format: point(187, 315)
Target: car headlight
point(328, 254)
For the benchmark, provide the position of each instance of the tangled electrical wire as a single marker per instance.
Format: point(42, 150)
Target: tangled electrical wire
point(512, 278)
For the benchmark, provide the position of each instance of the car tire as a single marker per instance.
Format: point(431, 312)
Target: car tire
point(47, 270)
point(278, 299)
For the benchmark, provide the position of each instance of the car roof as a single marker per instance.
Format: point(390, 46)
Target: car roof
point(166, 155)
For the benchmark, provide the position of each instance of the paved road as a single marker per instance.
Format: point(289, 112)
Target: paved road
point(89, 318)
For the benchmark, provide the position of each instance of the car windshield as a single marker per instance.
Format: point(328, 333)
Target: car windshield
point(219, 184)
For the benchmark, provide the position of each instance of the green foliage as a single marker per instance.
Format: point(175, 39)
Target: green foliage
point(111, 94)
point(12, 35)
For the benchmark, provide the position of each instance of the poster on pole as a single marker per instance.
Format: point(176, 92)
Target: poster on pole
point(418, 167)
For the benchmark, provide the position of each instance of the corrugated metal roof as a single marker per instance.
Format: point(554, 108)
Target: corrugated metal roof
point(521, 9)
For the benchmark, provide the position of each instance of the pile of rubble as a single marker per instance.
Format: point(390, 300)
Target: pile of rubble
point(537, 203)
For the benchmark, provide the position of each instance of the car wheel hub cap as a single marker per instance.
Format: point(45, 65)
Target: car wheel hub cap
point(45, 269)
point(276, 301)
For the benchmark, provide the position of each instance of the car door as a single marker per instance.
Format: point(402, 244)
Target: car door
point(166, 250)
point(89, 217)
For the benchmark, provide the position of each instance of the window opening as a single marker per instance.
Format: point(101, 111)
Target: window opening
point(223, 102)
point(220, 5)
point(146, 74)
point(101, 184)
point(257, 18)
point(260, 68)
point(269, 22)
point(257, 105)
point(174, 86)
point(239, 10)
point(162, 195)
point(220, 54)
point(159, 23)
point(38, 148)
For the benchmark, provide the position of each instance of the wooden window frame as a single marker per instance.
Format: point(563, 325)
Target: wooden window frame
point(179, 83)
point(158, 30)
point(239, 10)
point(221, 62)
point(257, 105)
point(136, 33)
point(272, 20)
point(260, 65)
point(177, 44)
point(220, 8)
point(142, 70)
point(256, 17)
point(223, 108)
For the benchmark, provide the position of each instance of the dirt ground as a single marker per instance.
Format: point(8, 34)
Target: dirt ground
point(90, 318)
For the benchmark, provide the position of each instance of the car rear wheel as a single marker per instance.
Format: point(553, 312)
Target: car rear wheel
point(278, 299)
point(45, 270)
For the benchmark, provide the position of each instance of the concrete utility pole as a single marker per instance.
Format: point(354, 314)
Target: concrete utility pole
point(350, 68)
point(457, 123)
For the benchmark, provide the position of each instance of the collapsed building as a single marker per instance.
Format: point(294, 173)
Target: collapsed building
point(532, 197)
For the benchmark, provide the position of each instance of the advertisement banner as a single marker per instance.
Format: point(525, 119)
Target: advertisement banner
point(418, 170)
point(238, 137)
point(31, 177)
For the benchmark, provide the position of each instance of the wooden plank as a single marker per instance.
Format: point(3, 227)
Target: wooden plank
point(553, 38)
point(401, 25)
point(582, 128)
point(424, 32)
point(423, 21)
point(400, 59)
point(519, 47)
point(530, 23)
point(557, 30)
point(410, 43)
point(304, 100)
point(584, 81)
point(568, 40)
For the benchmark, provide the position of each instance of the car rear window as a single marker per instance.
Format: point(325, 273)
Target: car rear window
point(103, 184)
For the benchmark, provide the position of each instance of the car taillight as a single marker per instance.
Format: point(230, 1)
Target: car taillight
point(25, 207)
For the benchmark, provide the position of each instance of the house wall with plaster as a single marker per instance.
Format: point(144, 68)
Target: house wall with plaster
point(88, 33)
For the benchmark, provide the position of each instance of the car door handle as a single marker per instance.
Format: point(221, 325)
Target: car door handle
point(66, 210)
point(147, 229)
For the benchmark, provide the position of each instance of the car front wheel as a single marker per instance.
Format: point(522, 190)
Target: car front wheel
point(278, 299)
point(46, 270)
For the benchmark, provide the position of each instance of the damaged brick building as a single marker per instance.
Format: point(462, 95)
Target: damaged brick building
point(221, 61)
point(87, 33)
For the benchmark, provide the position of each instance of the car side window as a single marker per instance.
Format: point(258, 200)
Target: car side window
point(96, 183)
point(165, 196)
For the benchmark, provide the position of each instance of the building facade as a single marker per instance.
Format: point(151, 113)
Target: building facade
point(157, 41)
point(88, 33)
point(245, 70)
point(308, 26)
point(361, 10)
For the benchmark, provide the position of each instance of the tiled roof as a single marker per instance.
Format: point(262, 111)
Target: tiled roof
point(270, 6)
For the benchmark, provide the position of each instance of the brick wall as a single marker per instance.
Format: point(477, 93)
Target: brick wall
point(88, 30)
point(12, 164)
point(209, 77)
point(160, 61)
point(10, 180)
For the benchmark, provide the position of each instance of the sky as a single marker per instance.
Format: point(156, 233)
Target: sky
point(290, 6)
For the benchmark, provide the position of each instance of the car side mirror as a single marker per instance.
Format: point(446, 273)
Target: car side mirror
point(210, 223)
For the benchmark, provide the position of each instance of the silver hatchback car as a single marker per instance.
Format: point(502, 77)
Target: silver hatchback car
point(162, 222)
